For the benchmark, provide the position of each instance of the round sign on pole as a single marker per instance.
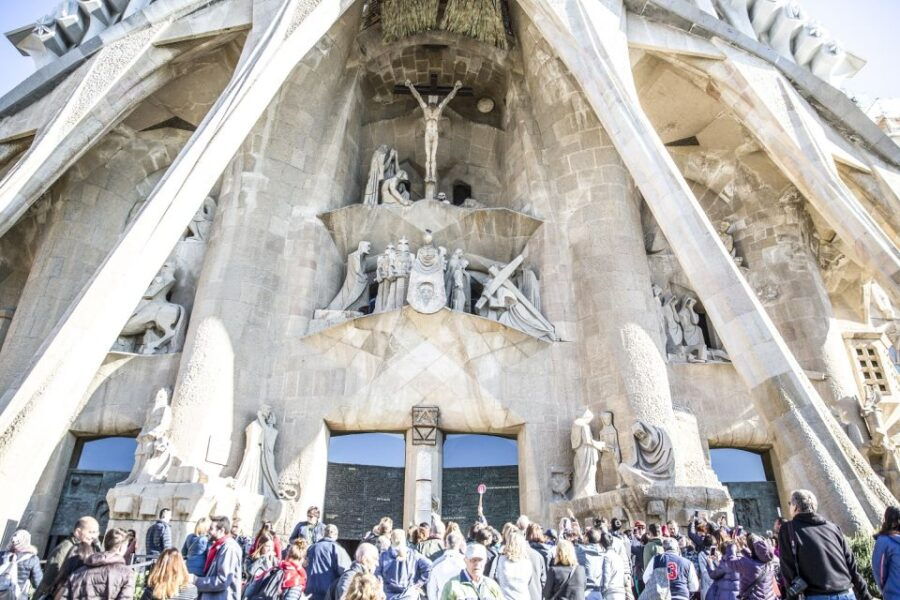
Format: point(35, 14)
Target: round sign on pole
point(481, 488)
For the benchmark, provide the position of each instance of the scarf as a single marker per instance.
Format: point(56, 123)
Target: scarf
point(213, 550)
point(294, 574)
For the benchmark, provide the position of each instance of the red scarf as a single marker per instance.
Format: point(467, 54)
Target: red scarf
point(294, 575)
point(213, 550)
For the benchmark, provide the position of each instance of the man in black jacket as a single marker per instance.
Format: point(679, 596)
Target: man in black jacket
point(816, 550)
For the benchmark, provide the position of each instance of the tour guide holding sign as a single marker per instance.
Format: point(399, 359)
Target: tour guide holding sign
point(481, 489)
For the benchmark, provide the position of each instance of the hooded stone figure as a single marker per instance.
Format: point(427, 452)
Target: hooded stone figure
point(587, 451)
point(653, 450)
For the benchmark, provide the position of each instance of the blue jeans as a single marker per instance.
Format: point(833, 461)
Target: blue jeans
point(844, 596)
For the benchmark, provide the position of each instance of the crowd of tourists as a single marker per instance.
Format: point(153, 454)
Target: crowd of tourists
point(803, 557)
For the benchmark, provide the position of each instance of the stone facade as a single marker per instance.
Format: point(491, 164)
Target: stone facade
point(664, 223)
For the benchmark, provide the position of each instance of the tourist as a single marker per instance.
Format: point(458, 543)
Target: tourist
point(74, 562)
point(432, 546)
point(621, 547)
point(382, 531)
point(244, 541)
point(22, 557)
point(565, 579)
point(447, 566)
point(757, 570)
point(169, 578)
point(86, 530)
point(325, 562)
point(292, 573)
point(266, 532)
point(726, 577)
point(312, 528)
point(538, 542)
point(365, 561)
point(886, 555)
point(472, 582)
point(615, 580)
point(104, 576)
point(222, 571)
point(706, 561)
point(616, 528)
point(402, 570)
point(263, 557)
point(490, 539)
point(515, 570)
point(653, 544)
point(680, 572)
point(194, 548)
point(132, 547)
point(159, 535)
point(815, 552)
point(603, 567)
point(364, 586)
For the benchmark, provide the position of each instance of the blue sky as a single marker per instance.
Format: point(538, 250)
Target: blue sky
point(866, 27)
point(387, 450)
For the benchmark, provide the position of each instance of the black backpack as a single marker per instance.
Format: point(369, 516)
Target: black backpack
point(269, 587)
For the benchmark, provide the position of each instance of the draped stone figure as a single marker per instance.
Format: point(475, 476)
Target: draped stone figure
point(154, 454)
point(457, 282)
point(384, 165)
point(400, 269)
point(257, 472)
point(674, 334)
point(354, 291)
point(693, 335)
point(655, 458)
point(384, 278)
point(611, 455)
point(427, 293)
point(395, 189)
point(587, 451)
point(502, 301)
point(527, 281)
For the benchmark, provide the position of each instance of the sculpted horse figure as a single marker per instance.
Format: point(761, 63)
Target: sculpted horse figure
point(157, 319)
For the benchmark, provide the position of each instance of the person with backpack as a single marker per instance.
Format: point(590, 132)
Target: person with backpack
point(263, 558)
point(284, 581)
point(222, 578)
point(886, 555)
point(757, 570)
point(326, 560)
point(86, 530)
point(565, 577)
point(670, 570)
point(195, 546)
point(19, 567)
point(104, 576)
point(169, 579)
point(75, 561)
point(402, 570)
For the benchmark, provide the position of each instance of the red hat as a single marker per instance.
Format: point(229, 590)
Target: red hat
point(639, 524)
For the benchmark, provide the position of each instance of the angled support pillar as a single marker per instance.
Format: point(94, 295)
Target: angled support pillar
point(791, 132)
point(45, 398)
point(587, 35)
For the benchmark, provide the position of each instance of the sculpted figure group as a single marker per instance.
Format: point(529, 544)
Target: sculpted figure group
point(681, 326)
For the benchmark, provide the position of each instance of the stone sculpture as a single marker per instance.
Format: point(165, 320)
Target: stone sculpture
point(502, 301)
point(257, 472)
point(354, 291)
point(384, 278)
point(587, 451)
point(198, 228)
point(431, 111)
point(384, 165)
point(527, 281)
point(611, 455)
point(560, 482)
point(695, 346)
point(156, 319)
point(154, 454)
point(395, 189)
point(674, 334)
point(788, 21)
point(401, 267)
point(458, 282)
point(427, 293)
point(655, 458)
point(725, 228)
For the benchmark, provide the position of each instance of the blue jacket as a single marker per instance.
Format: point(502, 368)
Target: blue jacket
point(194, 553)
point(886, 565)
point(325, 562)
point(312, 533)
point(222, 580)
point(159, 537)
point(726, 577)
point(400, 575)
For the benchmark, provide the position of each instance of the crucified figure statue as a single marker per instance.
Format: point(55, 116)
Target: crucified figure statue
point(432, 112)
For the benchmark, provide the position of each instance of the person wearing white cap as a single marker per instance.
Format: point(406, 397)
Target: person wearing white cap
point(472, 583)
point(21, 564)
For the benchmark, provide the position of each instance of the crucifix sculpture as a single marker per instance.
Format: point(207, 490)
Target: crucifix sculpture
point(431, 111)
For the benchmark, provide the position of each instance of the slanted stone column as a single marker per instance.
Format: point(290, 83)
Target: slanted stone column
point(424, 465)
point(622, 368)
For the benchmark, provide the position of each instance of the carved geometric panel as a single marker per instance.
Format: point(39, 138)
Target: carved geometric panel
point(425, 421)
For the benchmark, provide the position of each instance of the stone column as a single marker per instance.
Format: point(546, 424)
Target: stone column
point(424, 465)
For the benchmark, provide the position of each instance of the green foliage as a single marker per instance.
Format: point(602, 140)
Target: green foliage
point(140, 580)
point(861, 545)
point(479, 19)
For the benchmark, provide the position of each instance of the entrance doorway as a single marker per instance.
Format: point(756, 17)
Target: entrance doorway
point(364, 483)
point(97, 465)
point(750, 480)
point(473, 459)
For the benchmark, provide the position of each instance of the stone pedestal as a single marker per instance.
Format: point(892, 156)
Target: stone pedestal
point(424, 465)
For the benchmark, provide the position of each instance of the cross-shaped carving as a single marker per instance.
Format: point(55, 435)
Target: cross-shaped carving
point(432, 88)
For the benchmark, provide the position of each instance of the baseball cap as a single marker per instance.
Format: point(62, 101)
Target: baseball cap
point(639, 524)
point(476, 551)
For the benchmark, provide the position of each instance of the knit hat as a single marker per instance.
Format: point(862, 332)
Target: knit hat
point(21, 541)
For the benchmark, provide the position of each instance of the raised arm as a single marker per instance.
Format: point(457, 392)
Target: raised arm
point(415, 94)
point(449, 96)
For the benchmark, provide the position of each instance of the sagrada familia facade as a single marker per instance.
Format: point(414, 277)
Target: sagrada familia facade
point(622, 232)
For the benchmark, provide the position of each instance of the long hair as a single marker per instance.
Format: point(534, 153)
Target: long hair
point(261, 542)
point(891, 522)
point(364, 586)
point(202, 527)
point(516, 547)
point(168, 575)
point(75, 561)
point(266, 529)
point(565, 553)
